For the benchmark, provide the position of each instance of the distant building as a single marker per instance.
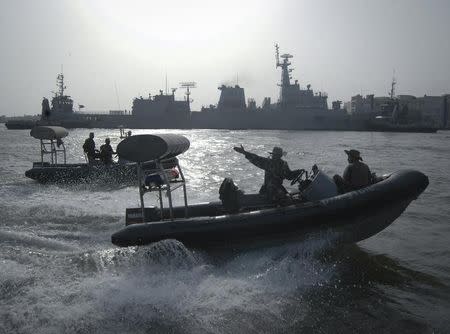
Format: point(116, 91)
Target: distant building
point(430, 110)
point(348, 106)
point(360, 104)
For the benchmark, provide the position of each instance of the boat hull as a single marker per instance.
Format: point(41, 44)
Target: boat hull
point(350, 217)
point(76, 173)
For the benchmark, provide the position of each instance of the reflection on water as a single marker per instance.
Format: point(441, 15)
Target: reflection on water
point(60, 273)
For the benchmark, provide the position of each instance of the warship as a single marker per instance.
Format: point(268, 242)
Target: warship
point(297, 108)
point(61, 112)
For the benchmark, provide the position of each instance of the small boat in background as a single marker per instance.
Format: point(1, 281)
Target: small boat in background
point(315, 207)
point(124, 134)
point(54, 168)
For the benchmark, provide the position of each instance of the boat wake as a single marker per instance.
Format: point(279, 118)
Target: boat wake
point(167, 287)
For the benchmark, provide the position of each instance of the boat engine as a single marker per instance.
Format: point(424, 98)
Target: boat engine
point(316, 185)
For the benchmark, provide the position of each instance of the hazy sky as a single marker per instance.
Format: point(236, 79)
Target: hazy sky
point(341, 47)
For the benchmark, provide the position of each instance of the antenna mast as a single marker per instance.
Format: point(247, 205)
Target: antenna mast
point(277, 55)
point(394, 82)
point(188, 85)
point(60, 84)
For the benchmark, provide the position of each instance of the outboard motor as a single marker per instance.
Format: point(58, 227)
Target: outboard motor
point(229, 194)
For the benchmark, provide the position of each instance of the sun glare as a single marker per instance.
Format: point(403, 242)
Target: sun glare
point(145, 25)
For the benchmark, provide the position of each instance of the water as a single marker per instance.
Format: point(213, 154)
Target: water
point(59, 273)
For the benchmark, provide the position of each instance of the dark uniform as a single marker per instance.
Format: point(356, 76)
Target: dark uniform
point(45, 108)
point(89, 149)
point(356, 175)
point(106, 153)
point(276, 171)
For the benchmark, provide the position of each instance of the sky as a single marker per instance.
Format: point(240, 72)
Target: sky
point(112, 51)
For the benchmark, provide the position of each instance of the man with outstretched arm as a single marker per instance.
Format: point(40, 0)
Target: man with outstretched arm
point(276, 171)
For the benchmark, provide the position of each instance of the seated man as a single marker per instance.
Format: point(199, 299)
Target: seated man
point(357, 174)
point(106, 152)
point(276, 170)
point(89, 148)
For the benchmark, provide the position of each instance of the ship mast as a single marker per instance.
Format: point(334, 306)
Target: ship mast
point(60, 84)
point(188, 85)
point(394, 82)
point(285, 76)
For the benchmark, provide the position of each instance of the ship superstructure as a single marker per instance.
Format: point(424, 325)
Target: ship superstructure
point(297, 108)
point(160, 105)
point(291, 95)
point(61, 104)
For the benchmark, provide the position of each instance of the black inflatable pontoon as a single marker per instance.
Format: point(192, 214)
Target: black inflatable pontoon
point(351, 217)
point(58, 170)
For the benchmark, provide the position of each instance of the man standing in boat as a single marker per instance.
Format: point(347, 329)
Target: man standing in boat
point(276, 171)
point(45, 109)
point(106, 152)
point(89, 148)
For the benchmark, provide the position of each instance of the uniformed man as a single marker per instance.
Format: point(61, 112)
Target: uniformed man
point(106, 152)
point(357, 174)
point(276, 171)
point(45, 108)
point(89, 148)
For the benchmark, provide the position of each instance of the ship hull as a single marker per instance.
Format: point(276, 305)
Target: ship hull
point(307, 119)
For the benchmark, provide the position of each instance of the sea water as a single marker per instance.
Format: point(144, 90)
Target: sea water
point(59, 272)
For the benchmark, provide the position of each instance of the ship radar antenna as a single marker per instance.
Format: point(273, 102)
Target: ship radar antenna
point(393, 84)
point(188, 85)
point(60, 84)
point(277, 55)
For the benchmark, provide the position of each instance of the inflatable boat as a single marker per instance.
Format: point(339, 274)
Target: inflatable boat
point(315, 208)
point(53, 167)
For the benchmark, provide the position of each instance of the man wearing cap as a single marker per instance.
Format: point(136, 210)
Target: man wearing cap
point(89, 148)
point(276, 170)
point(357, 174)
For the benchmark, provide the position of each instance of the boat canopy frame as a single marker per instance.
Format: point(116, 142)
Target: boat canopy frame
point(50, 138)
point(52, 147)
point(160, 150)
point(165, 186)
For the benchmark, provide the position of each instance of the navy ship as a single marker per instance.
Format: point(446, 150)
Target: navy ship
point(61, 112)
point(296, 108)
